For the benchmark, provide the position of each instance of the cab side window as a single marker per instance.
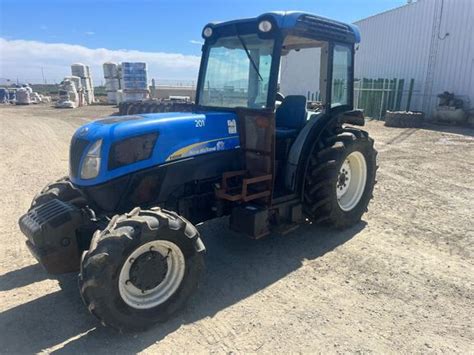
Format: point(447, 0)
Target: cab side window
point(342, 66)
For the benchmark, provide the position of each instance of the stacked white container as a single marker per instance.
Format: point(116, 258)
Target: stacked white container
point(81, 95)
point(23, 96)
point(112, 82)
point(84, 72)
point(134, 81)
point(68, 94)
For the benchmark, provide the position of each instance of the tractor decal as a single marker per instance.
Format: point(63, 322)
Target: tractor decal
point(223, 143)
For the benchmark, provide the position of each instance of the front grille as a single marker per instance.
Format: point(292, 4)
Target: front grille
point(76, 150)
point(51, 230)
point(36, 221)
point(326, 28)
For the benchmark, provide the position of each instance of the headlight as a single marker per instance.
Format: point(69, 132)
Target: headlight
point(91, 163)
point(207, 32)
point(265, 26)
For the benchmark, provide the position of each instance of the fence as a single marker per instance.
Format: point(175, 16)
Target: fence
point(376, 96)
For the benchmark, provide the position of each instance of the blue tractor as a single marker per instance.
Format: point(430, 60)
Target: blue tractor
point(139, 183)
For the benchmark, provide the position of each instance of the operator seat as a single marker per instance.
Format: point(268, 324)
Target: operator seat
point(290, 116)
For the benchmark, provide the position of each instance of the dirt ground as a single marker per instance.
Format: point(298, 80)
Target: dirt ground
point(401, 281)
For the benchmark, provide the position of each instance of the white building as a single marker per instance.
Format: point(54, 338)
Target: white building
point(430, 41)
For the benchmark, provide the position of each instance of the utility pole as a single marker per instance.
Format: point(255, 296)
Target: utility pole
point(42, 73)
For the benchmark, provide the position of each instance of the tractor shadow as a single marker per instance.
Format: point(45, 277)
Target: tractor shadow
point(237, 268)
point(22, 277)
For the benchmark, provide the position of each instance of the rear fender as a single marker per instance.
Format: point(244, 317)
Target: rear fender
point(308, 137)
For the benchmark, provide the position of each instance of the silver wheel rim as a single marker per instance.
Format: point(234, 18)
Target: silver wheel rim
point(145, 299)
point(351, 181)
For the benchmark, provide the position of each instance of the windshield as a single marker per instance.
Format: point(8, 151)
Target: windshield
point(237, 72)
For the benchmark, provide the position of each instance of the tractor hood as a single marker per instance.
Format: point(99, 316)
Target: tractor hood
point(126, 144)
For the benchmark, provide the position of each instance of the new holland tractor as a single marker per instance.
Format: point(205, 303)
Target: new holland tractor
point(125, 216)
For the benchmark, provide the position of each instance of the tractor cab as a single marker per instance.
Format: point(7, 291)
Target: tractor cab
point(245, 68)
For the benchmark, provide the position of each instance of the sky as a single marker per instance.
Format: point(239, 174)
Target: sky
point(41, 38)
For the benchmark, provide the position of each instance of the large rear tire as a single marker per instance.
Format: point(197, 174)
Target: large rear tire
point(340, 178)
point(141, 269)
point(404, 119)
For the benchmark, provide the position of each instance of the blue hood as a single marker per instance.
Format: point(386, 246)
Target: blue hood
point(180, 135)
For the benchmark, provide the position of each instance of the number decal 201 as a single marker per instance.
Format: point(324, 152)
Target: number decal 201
point(200, 123)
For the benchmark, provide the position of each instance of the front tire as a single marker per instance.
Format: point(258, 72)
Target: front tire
point(141, 269)
point(63, 190)
point(340, 178)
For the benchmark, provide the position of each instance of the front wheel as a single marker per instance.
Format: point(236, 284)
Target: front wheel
point(141, 269)
point(63, 190)
point(340, 178)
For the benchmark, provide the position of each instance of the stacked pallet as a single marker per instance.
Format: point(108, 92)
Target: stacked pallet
point(84, 72)
point(112, 82)
point(80, 92)
point(134, 81)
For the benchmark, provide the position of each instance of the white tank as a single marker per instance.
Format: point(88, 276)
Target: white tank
point(76, 80)
point(85, 83)
point(112, 97)
point(68, 95)
point(112, 84)
point(91, 91)
point(110, 70)
point(89, 97)
point(23, 97)
point(79, 69)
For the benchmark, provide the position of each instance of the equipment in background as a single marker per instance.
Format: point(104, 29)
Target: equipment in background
point(12, 96)
point(23, 95)
point(134, 81)
point(450, 110)
point(125, 82)
point(470, 119)
point(112, 82)
point(3, 96)
point(84, 73)
point(180, 98)
point(404, 119)
point(68, 95)
point(81, 93)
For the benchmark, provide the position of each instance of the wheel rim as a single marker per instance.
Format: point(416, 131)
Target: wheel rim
point(351, 181)
point(151, 274)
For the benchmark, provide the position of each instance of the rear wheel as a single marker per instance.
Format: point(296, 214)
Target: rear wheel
point(340, 178)
point(141, 269)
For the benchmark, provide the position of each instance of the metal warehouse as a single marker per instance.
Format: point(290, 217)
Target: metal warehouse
point(427, 44)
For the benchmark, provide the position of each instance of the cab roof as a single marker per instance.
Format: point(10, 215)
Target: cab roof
point(302, 23)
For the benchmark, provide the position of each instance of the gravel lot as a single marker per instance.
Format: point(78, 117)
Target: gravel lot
point(401, 281)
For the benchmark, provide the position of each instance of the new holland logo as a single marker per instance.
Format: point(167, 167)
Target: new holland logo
point(232, 126)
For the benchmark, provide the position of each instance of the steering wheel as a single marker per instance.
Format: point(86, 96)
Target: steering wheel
point(280, 97)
